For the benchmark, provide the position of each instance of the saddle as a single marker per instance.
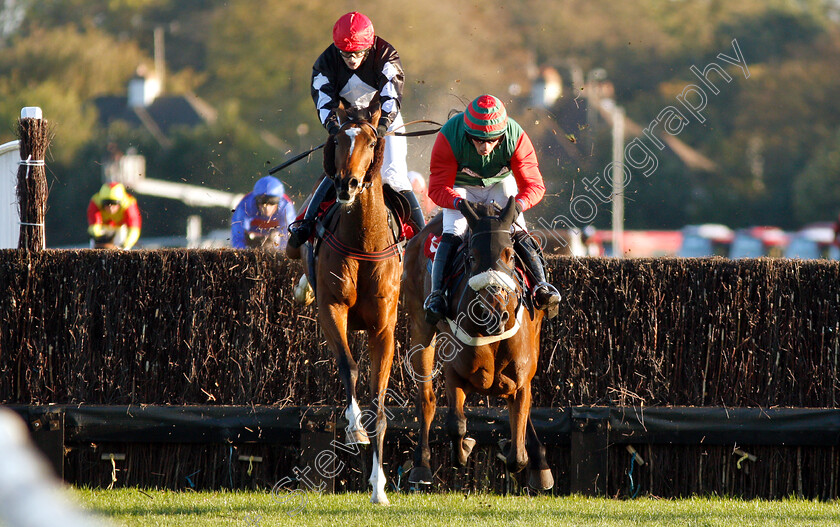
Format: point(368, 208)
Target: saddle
point(399, 214)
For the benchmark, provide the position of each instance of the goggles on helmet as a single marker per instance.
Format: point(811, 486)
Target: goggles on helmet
point(482, 140)
point(362, 53)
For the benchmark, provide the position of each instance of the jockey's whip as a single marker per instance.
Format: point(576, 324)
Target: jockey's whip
point(298, 157)
point(295, 159)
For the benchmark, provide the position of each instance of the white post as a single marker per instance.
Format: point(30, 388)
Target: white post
point(618, 182)
point(193, 231)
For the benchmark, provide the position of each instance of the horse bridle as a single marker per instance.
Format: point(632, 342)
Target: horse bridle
point(511, 273)
point(365, 184)
point(470, 340)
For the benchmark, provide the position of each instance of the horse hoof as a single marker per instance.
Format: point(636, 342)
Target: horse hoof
point(304, 294)
point(540, 479)
point(357, 437)
point(467, 444)
point(420, 476)
point(380, 499)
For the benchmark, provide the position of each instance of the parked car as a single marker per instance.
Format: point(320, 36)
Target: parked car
point(813, 242)
point(755, 242)
point(708, 239)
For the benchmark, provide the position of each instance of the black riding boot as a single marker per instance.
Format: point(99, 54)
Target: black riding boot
point(435, 304)
point(300, 231)
point(546, 296)
point(417, 218)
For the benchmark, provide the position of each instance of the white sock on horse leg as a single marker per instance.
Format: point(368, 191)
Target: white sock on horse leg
point(354, 415)
point(377, 481)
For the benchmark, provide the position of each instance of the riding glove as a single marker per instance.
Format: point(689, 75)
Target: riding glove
point(473, 205)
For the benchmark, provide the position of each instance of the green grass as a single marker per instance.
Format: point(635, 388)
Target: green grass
point(248, 509)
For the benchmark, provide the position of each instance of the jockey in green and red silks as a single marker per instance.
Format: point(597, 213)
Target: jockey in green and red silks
point(481, 155)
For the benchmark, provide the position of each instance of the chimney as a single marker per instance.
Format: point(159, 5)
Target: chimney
point(142, 89)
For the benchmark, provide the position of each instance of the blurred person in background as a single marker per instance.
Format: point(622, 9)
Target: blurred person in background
point(30, 495)
point(421, 190)
point(263, 216)
point(113, 218)
point(360, 71)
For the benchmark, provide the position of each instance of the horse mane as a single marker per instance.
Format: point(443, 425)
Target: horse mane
point(329, 157)
point(378, 156)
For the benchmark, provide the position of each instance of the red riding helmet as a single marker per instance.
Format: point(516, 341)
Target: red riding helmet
point(353, 32)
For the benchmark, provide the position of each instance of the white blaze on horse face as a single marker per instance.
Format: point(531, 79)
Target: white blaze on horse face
point(493, 277)
point(352, 133)
point(377, 481)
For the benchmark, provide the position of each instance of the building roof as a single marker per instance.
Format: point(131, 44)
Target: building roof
point(160, 117)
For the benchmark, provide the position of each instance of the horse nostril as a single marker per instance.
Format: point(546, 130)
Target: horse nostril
point(353, 183)
point(504, 318)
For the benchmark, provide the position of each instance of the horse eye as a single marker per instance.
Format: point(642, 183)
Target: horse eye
point(372, 144)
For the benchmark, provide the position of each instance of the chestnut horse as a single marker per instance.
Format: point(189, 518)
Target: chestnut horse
point(358, 278)
point(489, 344)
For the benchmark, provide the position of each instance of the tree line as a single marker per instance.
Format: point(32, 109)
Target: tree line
point(774, 137)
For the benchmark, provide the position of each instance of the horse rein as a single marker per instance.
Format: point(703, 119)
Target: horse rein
point(419, 132)
point(360, 123)
point(394, 250)
point(298, 157)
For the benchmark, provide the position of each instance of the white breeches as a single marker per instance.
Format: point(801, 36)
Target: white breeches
point(394, 166)
point(455, 223)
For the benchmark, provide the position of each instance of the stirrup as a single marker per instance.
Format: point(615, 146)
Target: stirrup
point(299, 232)
point(435, 307)
point(551, 306)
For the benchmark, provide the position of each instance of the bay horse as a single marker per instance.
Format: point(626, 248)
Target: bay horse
point(357, 278)
point(489, 344)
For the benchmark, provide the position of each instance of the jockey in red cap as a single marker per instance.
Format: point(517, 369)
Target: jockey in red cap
point(356, 69)
point(483, 156)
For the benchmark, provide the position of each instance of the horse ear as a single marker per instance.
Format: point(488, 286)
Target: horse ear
point(470, 214)
point(374, 118)
point(341, 113)
point(508, 214)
